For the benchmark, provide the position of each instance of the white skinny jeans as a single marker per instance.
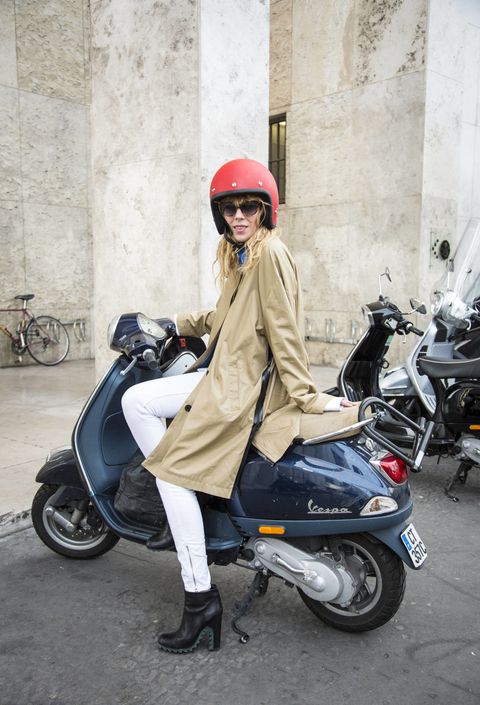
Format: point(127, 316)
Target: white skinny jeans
point(146, 407)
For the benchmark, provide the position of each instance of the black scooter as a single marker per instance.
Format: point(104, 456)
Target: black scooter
point(440, 378)
point(331, 517)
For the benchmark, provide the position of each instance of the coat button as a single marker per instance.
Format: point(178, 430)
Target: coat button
point(188, 407)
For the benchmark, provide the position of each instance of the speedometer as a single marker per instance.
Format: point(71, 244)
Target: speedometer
point(150, 327)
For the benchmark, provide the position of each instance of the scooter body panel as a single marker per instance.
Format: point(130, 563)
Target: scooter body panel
point(101, 441)
point(249, 526)
point(327, 481)
point(397, 383)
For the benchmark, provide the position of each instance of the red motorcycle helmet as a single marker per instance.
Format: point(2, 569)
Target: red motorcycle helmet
point(241, 176)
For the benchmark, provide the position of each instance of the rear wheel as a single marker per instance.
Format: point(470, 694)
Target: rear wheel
point(90, 537)
point(381, 577)
point(47, 340)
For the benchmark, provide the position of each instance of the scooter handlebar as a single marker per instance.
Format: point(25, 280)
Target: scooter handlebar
point(417, 331)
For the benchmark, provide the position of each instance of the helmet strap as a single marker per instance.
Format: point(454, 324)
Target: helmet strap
point(230, 240)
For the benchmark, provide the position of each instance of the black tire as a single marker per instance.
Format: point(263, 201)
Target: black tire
point(381, 593)
point(88, 542)
point(47, 340)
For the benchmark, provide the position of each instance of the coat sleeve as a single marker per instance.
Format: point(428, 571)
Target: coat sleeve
point(196, 324)
point(277, 288)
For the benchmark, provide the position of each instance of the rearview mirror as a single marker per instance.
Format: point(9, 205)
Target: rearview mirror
point(386, 273)
point(418, 306)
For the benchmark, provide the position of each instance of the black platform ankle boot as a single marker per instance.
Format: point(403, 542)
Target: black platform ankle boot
point(161, 541)
point(202, 616)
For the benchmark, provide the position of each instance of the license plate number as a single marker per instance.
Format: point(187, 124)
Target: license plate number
point(414, 545)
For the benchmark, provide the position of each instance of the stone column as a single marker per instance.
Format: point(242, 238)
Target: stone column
point(177, 89)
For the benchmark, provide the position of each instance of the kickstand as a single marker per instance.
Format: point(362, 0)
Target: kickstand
point(459, 476)
point(257, 588)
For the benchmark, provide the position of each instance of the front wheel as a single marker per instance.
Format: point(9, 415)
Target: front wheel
point(47, 340)
point(89, 539)
point(381, 577)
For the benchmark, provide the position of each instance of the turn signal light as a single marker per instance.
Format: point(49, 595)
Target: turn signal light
point(271, 530)
point(474, 427)
point(379, 505)
point(395, 468)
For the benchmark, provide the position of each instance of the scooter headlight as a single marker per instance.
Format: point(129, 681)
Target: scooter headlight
point(379, 505)
point(111, 331)
point(437, 303)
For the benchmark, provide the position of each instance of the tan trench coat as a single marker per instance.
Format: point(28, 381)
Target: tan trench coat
point(205, 442)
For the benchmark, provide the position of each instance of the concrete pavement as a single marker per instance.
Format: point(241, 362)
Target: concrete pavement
point(38, 409)
point(76, 632)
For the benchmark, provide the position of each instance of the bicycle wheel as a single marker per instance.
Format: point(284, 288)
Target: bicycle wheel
point(47, 340)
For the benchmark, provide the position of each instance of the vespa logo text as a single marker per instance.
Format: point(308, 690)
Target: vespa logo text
point(314, 509)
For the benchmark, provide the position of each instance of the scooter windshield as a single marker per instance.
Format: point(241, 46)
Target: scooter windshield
point(462, 274)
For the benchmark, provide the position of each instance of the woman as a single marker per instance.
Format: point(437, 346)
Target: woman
point(259, 310)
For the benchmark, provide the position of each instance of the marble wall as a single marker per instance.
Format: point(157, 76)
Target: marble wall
point(383, 147)
point(355, 116)
point(45, 239)
point(233, 95)
point(172, 99)
point(382, 103)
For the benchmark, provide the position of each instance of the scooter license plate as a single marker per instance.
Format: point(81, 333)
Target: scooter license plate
point(414, 545)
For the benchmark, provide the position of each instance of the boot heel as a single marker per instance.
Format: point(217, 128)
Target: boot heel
point(202, 617)
point(214, 630)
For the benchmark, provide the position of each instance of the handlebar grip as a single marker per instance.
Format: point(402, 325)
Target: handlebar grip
point(151, 359)
point(410, 328)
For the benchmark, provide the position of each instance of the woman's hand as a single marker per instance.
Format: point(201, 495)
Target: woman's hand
point(347, 402)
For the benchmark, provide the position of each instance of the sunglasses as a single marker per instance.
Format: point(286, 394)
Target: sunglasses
point(248, 208)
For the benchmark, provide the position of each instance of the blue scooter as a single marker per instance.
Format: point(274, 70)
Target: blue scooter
point(331, 517)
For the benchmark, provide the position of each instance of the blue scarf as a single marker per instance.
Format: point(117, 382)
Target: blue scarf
point(242, 256)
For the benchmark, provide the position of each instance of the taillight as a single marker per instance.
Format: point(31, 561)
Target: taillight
point(394, 467)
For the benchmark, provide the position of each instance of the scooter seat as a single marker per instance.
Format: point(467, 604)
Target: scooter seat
point(439, 368)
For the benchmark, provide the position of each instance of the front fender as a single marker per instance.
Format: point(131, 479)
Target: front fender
point(60, 468)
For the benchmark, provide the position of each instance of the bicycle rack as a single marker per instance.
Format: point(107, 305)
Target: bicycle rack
point(52, 330)
point(79, 329)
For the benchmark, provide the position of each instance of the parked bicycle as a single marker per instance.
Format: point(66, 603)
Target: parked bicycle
point(45, 338)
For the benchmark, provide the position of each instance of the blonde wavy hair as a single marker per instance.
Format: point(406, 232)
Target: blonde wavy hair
point(227, 258)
